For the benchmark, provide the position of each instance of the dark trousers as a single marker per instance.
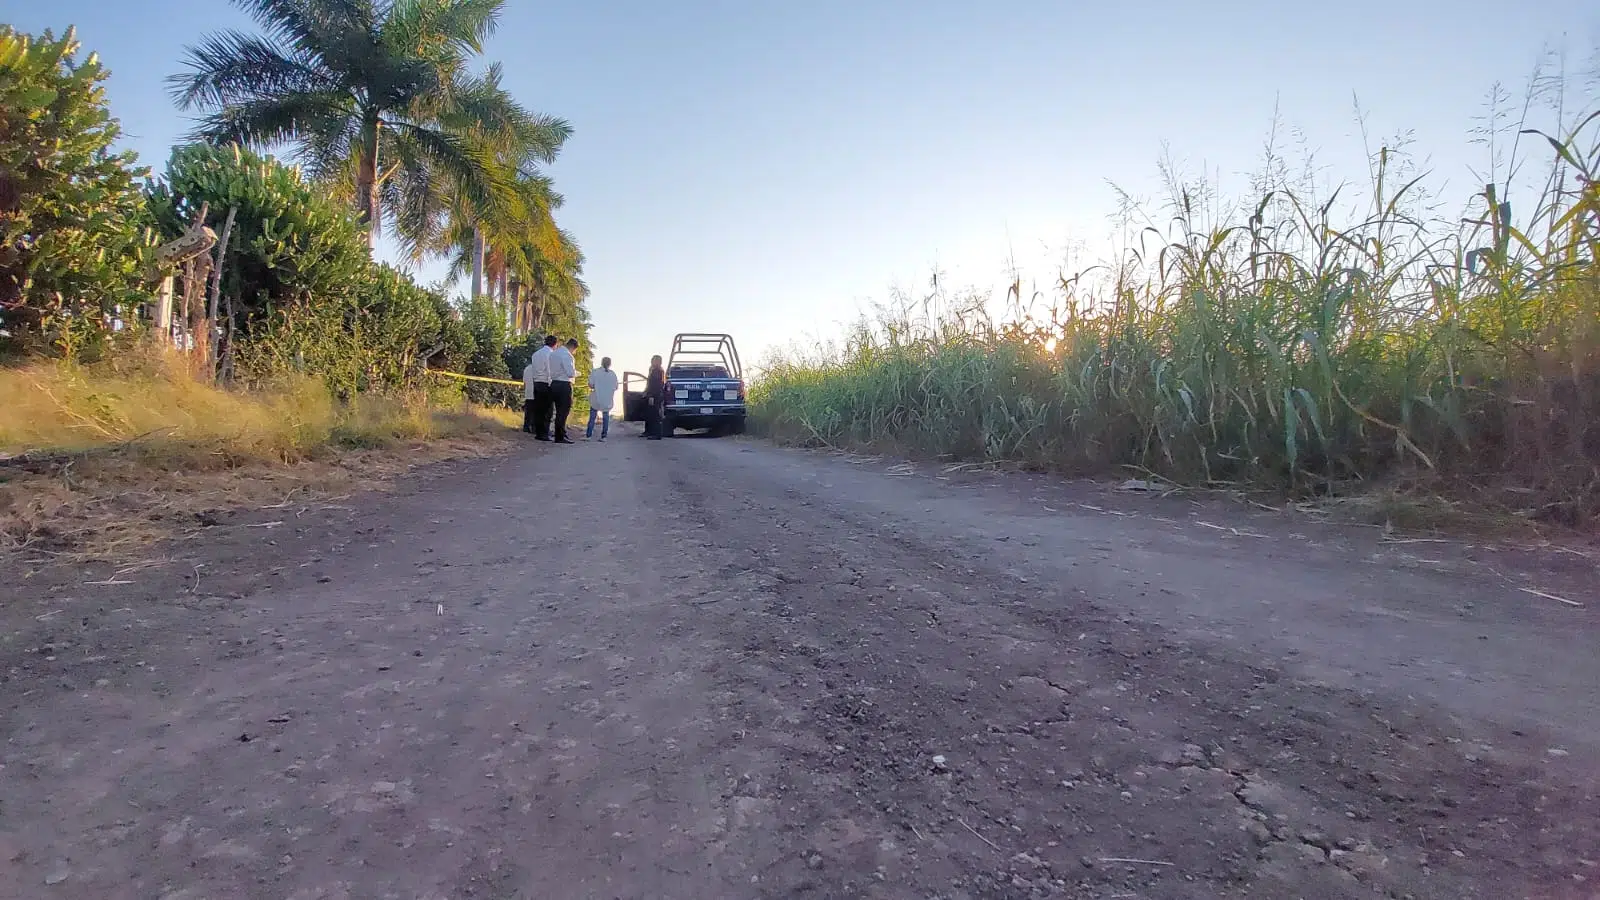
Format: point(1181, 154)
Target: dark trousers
point(541, 411)
point(652, 419)
point(561, 395)
point(528, 407)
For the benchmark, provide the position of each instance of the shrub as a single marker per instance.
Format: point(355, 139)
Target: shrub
point(374, 337)
point(486, 322)
point(290, 242)
point(456, 343)
point(73, 231)
point(303, 294)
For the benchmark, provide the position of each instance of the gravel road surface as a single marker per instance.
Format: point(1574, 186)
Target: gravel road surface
point(714, 669)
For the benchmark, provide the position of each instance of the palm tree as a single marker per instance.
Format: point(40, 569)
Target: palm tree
point(374, 95)
point(496, 240)
point(500, 222)
point(524, 247)
point(554, 289)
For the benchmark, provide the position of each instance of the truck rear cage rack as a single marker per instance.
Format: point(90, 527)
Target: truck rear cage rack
point(693, 348)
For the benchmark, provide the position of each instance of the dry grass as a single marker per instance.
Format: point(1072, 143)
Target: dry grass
point(1424, 512)
point(100, 462)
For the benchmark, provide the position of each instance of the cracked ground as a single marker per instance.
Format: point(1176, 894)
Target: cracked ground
point(713, 669)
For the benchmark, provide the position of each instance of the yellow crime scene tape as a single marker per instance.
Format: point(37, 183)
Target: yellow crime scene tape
point(474, 377)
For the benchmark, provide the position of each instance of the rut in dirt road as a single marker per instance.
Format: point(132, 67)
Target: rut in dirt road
point(712, 669)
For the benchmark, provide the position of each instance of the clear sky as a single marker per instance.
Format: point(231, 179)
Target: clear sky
point(769, 168)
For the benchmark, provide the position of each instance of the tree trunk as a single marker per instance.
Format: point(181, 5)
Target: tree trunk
point(505, 299)
point(367, 182)
point(225, 367)
point(477, 260)
point(216, 288)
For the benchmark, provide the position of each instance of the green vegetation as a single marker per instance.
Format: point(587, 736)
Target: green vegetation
point(378, 99)
point(1281, 349)
point(301, 292)
point(140, 448)
point(287, 342)
point(400, 125)
point(73, 240)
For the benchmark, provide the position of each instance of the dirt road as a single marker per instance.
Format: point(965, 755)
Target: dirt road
point(713, 669)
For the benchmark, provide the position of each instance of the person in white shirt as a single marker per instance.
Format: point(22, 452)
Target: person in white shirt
point(562, 371)
point(602, 394)
point(536, 392)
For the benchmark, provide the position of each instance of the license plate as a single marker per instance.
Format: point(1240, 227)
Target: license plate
point(730, 395)
point(705, 410)
point(681, 395)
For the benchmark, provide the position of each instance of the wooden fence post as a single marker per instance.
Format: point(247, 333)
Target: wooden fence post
point(164, 310)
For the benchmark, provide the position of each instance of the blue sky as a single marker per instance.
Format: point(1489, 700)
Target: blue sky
point(769, 169)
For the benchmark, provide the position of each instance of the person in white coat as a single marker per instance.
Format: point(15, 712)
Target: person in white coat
point(602, 394)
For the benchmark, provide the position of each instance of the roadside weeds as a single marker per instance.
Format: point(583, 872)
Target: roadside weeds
point(98, 463)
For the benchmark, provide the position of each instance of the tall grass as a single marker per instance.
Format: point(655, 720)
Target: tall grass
point(102, 460)
point(149, 403)
point(1273, 347)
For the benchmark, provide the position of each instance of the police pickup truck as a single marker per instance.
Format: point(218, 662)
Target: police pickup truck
point(705, 385)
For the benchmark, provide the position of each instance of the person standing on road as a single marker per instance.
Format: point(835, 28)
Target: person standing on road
point(536, 392)
point(602, 393)
point(655, 396)
point(563, 369)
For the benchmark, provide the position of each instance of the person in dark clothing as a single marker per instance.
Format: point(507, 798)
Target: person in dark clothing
point(536, 384)
point(563, 370)
point(655, 396)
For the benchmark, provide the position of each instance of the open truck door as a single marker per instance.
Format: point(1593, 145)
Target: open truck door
point(633, 385)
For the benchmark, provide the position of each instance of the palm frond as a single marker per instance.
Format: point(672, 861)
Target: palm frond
point(440, 27)
point(271, 121)
point(328, 153)
point(418, 202)
point(232, 67)
point(542, 136)
point(309, 26)
point(468, 165)
point(468, 23)
point(480, 104)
